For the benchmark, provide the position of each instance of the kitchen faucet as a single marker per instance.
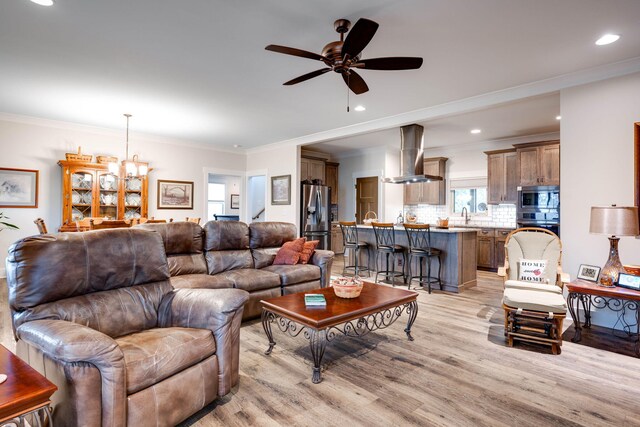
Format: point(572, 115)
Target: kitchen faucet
point(465, 214)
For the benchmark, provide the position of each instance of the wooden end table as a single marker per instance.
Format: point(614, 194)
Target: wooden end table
point(25, 392)
point(377, 307)
point(617, 299)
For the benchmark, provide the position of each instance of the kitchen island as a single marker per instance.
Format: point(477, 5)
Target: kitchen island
point(458, 246)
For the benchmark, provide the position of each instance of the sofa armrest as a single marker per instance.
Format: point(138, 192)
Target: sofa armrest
point(68, 342)
point(220, 311)
point(323, 259)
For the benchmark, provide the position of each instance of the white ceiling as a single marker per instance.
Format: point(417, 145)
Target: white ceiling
point(531, 116)
point(197, 70)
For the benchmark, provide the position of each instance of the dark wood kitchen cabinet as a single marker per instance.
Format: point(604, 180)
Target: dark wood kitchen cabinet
point(539, 163)
point(428, 193)
point(486, 249)
point(502, 173)
point(331, 173)
point(501, 237)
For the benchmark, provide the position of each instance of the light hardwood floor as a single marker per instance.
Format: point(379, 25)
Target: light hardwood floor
point(457, 372)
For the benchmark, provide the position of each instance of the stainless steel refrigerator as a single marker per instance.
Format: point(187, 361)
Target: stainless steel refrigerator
point(315, 218)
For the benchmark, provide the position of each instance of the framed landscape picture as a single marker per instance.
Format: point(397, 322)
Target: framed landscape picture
point(175, 194)
point(18, 188)
point(281, 190)
point(235, 201)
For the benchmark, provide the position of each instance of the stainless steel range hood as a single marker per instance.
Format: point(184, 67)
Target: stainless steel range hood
point(411, 157)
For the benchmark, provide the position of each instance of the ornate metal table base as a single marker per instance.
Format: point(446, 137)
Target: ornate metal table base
point(618, 305)
point(318, 338)
point(38, 417)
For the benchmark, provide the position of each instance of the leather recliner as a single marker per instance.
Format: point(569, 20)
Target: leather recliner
point(96, 314)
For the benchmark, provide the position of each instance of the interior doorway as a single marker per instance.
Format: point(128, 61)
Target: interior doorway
point(366, 197)
point(256, 197)
point(223, 197)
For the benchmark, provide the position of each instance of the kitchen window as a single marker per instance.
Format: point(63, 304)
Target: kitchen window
point(469, 193)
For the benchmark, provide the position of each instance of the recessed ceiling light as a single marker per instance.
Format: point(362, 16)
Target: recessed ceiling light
point(474, 131)
point(43, 2)
point(360, 108)
point(558, 117)
point(606, 39)
point(237, 145)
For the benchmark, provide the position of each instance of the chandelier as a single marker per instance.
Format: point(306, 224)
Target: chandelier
point(132, 168)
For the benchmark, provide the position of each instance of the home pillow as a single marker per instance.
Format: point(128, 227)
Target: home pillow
point(289, 253)
point(307, 251)
point(532, 270)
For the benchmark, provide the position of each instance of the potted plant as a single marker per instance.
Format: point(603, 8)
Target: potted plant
point(4, 224)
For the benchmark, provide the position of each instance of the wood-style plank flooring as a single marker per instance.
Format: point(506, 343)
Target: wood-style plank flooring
point(457, 372)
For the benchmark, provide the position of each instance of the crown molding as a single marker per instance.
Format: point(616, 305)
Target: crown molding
point(142, 137)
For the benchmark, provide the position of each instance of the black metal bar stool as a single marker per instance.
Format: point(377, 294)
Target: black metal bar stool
point(419, 236)
point(351, 242)
point(386, 246)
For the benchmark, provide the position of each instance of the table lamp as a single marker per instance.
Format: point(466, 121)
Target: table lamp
point(614, 221)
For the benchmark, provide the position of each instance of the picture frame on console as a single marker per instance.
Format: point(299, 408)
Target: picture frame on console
point(18, 188)
point(281, 190)
point(589, 272)
point(175, 194)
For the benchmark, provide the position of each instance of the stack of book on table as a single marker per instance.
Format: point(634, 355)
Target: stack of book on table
point(315, 300)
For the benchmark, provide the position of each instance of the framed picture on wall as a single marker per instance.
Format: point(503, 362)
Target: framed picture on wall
point(235, 201)
point(175, 194)
point(281, 190)
point(18, 188)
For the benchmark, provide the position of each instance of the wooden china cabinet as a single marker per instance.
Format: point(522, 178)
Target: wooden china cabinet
point(90, 191)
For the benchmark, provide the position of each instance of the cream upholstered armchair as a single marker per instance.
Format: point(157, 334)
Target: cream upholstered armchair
point(533, 280)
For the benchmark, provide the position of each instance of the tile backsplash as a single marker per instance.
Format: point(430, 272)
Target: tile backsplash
point(497, 215)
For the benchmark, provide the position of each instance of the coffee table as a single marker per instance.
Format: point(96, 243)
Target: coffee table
point(377, 307)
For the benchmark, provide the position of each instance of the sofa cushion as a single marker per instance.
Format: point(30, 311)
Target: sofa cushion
point(180, 237)
point(250, 279)
point(293, 274)
point(271, 234)
point(219, 261)
point(197, 281)
point(532, 286)
point(307, 251)
point(289, 253)
point(534, 300)
point(187, 264)
point(263, 257)
point(224, 235)
point(155, 354)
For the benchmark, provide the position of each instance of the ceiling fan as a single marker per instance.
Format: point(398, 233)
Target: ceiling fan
point(343, 56)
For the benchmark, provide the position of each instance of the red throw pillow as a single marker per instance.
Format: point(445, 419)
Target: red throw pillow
point(289, 253)
point(308, 250)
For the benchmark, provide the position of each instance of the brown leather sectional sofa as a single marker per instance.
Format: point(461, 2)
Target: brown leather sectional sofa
point(97, 314)
point(232, 254)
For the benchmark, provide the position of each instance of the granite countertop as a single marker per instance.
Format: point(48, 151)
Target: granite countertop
point(433, 229)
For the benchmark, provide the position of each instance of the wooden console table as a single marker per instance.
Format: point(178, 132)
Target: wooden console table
point(24, 393)
point(620, 300)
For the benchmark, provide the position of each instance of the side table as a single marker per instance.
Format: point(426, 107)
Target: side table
point(24, 393)
point(589, 294)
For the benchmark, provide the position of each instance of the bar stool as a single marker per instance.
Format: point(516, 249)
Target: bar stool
point(386, 246)
point(419, 236)
point(351, 242)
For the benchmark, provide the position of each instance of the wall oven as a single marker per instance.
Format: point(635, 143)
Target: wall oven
point(539, 206)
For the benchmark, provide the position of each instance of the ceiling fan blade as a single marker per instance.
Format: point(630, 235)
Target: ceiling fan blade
point(392, 63)
point(355, 82)
point(307, 76)
point(295, 52)
point(359, 37)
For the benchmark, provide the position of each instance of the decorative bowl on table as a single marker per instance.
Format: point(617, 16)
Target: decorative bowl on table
point(347, 287)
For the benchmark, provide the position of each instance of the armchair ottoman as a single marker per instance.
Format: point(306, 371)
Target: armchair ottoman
point(96, 314)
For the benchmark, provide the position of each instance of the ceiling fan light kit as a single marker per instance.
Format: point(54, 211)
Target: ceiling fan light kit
point(344, 56)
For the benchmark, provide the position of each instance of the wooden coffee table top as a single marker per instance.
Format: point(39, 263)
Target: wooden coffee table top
point(374, 298)
point(24, 388)
point(591, 288)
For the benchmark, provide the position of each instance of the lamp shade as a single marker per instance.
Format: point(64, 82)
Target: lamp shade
point(614, 220)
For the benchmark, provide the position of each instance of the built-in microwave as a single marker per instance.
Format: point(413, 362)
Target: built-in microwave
point(539, 197)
